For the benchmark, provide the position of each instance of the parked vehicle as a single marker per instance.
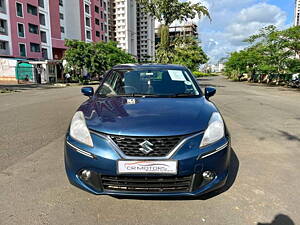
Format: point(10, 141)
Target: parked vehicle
point(295, 81)
point(148, 130)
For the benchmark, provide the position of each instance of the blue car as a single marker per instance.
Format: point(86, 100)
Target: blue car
point(148, 130)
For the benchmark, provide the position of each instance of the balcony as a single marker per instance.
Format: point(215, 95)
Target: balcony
point(4, 48)
point(3, 27)
point(2, 7)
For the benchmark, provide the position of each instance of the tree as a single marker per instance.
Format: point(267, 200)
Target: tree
point(165, 49)
point(292, 37)
point(96, 58)
point(168, 11)
point(189, 53)
point(236, 64)
point(271, 53)
point(75, 55)
point(248, 61)
point(274, 47)
point(184, 51)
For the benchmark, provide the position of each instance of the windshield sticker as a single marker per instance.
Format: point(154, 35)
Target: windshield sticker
point(176, 75)
point(131, 101)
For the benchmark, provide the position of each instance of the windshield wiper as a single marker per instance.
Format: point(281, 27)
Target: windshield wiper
point(181, 95)
point(141, 95)
point(151, 95)
point(145, 95)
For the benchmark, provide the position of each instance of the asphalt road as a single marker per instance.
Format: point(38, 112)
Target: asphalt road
point(264, 188)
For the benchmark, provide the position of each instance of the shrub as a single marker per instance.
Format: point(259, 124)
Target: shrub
point(201, 74)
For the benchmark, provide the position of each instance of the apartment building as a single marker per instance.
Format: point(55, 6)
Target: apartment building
point(145, 35)
point(22, 29)
point(5, 36)
point(132, 29)
point(297, 12)
point(37, 29)
point(186, 30)
point(123, 24)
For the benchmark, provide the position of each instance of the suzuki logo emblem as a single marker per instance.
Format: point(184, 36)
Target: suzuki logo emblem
point(146, 147)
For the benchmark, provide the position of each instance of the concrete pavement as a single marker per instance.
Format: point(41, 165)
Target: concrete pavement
point(265, 127)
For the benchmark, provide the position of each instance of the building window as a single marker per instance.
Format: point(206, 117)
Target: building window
point(102, 27)
point(21, 30)
point(61, 3)
point(87, 8)
point(19, 8)
point(22, 49)
point(35, 47)
point(43, 36)
point(42, 19)
point(97, 9)
point(3, 45)
point(102, 37)
point(32, 10)
point(97, 22)
point(61, 16)
point(101, 3)
point(45, 53)
point(97, 33)
point(101, 15)
point(88, 35)
point(34, 29)
point(41, 3)
point(88, 21)
point(62, 29)
point(3, 27)
point(104, 5)
point(2, 6)
point(51, 68)
point(104, 16)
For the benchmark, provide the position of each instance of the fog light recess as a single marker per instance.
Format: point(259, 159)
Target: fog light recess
point(85, 174)
point(208, 175)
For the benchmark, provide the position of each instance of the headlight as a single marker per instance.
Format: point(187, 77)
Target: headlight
point(214, 131)
point(79, 130)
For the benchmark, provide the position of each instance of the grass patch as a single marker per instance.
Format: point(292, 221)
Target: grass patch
point(5, 90)
point(201, 74)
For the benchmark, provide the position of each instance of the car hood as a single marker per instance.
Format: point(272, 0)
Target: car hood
point(147, 116)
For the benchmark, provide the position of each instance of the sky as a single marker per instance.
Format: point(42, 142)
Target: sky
point(235, 20)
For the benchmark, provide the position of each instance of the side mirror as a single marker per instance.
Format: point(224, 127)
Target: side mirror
point(87, 91)
point(209, 92)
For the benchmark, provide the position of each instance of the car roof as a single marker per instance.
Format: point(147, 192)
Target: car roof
point(148, 66)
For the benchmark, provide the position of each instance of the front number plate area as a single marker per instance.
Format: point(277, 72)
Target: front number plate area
point(147, 167)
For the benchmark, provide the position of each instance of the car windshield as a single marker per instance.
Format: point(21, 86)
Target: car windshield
point(149, 83)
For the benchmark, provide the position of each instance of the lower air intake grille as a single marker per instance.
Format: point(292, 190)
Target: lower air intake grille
point(146, 184)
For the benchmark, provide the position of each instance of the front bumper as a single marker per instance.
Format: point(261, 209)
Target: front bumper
point(102, 159)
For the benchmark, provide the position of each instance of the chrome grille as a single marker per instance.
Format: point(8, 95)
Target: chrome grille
point(161, 146)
